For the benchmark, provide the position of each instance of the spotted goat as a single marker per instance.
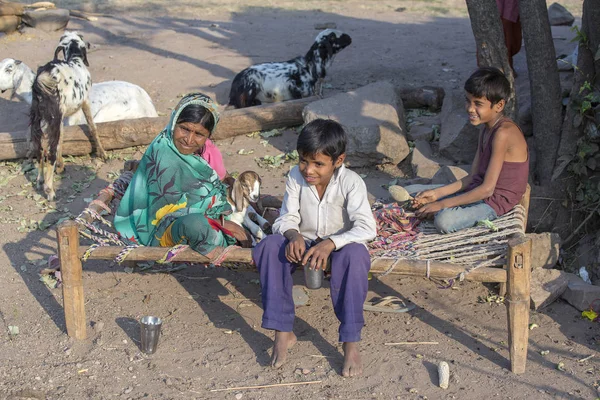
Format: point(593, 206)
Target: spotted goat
point(60, 89)
point(293, 79)
point(109, 101)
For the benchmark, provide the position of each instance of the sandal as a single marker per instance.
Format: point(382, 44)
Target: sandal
point(391, 304)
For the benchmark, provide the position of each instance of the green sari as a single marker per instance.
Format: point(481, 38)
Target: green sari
point(169, 186)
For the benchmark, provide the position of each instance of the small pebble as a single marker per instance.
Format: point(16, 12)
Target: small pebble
point(239, 396)
point(306, 371)
point(128, 390)
point(298, 371)
point(124, 341)
point(168, 382)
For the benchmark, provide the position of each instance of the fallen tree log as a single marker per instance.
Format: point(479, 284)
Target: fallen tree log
point(137, 132)
point(9, 23)
point(11, 9)
point(430, 97)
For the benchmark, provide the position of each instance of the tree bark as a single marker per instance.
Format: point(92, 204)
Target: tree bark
point(137, 132)
point(546, 106)
point(491, 49)
point(587, 69)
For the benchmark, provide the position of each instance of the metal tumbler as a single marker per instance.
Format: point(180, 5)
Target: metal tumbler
point(150, 332)
point(313, 278)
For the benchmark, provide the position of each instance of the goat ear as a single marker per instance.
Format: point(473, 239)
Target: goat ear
point(57, 52)
point(84, 53)
point(237, 195)
point(17, 62)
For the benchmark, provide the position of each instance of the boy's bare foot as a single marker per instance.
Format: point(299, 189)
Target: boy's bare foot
point(352, 361)
point(283, 342)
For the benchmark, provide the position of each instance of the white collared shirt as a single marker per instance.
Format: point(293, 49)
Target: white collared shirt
point(343, 215)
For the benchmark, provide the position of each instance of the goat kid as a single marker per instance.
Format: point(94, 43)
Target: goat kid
point(246, 190)
point(109, 101)
point(293, 79)
point(60, 89)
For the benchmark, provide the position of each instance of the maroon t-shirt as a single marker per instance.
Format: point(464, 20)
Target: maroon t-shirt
point(513, 177)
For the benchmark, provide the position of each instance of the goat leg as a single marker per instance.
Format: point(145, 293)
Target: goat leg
point(259, 220)
point(60, 165)
point(49, 178)
point(85, 106)
point(254, 228)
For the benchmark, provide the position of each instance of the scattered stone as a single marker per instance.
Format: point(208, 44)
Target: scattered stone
point(559, 15)
point(299, 295)
point(168, 382)
point(458, 138)
point(298, 371)
point(422, 163)
point(404, 182)
point(238, 396)
point(544, 249)
point(47, 20)
point(325, 25)
point(546, 286)
point(450, 173)
point(373, 117)
point(420, 132)
point(580, 294)
point(128, 390)
point(306, 371)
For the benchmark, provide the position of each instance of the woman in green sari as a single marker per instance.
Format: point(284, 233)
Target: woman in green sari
point(175, 197)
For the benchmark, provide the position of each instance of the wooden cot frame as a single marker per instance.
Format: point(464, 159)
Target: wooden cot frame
point(514, 279)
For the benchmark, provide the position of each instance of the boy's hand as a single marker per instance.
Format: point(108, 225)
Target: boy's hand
point(318, 254)
point(425, 197)
point(296, 247)
point(429, 209)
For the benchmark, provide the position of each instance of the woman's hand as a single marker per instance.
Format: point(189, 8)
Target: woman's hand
point(239, 233)
point(429, 209)
point(425, 197)
point(318, 255)
point(296, 247)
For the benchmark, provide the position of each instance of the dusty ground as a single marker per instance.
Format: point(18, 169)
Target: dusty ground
point(211, 335)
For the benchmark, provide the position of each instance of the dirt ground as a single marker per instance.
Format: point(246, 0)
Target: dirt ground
point(211, 335)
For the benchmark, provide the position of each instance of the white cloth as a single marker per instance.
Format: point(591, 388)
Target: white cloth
point(343, 215)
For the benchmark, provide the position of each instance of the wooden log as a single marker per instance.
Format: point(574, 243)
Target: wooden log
point(244, 256)
point(9, 23)
point(11, 9)
point(70, 265)
point(517, 301)
point(136, 132)
point(430, 97)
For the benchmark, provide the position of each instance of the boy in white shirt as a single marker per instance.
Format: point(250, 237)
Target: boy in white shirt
point(325, 214)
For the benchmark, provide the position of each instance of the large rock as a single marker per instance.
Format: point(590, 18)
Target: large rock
point(373, 117)
point(546, 286)
point(9, 23)
point(450, 173)
point(458, 138)
point(422, 161)
point(580, 294)
point(47, 20)
point(420, 132)
point(545, 248)
point(559, 15)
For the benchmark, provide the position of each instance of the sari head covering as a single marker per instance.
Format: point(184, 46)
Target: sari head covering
point(168, 185)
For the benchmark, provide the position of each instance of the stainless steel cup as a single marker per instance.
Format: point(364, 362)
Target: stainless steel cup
point(313, 278)
point(150, 332)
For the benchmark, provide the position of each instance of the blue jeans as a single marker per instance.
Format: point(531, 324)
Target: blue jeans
point(453, 219)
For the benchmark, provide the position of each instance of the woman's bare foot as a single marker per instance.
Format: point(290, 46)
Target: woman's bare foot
point(352, 362)
point(283, 342)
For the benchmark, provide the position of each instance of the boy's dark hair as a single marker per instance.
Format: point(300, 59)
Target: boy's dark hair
point(488, 82)
point(322, 136)
point(195, 113)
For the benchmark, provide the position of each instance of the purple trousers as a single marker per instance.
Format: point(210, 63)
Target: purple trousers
point(349, 284)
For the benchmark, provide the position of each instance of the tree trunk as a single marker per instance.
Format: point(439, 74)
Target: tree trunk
point(546, 106)
point(491, 49)
point(587, 69)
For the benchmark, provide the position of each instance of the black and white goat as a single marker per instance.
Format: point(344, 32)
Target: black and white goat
point(109, 101)
point(60, 89)
point(246, 190)
point(293, 79)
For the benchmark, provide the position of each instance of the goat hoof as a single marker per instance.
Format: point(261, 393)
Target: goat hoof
point(60, 168)
point(50, 196)
point(103, 155)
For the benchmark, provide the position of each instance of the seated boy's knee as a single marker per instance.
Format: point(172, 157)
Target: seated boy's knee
point(444, 222)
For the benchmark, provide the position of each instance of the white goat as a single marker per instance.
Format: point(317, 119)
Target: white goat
point(246, 190)
point(60, 89)
point(109, 101)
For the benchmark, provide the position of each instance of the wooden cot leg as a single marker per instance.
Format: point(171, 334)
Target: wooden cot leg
point(70, 266)
point(517, 301)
